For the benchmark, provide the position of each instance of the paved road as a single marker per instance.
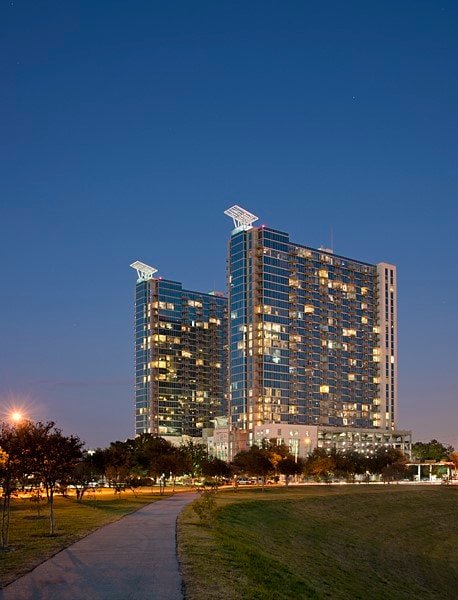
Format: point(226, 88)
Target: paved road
point(132, 559)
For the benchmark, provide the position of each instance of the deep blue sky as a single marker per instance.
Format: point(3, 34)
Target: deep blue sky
point(127, 128)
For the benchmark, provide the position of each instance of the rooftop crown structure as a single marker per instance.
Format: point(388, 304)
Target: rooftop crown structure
point(241, 217)
point(144, 272)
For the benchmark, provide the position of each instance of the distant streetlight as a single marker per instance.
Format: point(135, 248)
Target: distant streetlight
point(17, 417)
point(307, 443)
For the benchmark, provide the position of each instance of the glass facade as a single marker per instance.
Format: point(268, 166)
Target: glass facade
point(180, 358)
point(304, 335)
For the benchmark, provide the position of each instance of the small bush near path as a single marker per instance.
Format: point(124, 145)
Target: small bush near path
point(205, 507)
point(30, 542)
point(334, 542)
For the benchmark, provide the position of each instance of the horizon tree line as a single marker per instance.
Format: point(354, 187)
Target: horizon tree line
point(36, 455)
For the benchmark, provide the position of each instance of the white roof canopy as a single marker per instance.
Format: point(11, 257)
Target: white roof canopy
point(144, 272)
point(241, 217)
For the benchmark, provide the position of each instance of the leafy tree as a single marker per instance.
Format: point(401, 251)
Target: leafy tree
point(153, 455)
point(454, 459)
point(11, 470)
point(319, 465)
point(51, 456)
point(256, 461)
point(289, 466)
point(179, 463)
point(349, 464)
point(5, 479)
point(198, 454)
point(116, 463)
point(432, 450)
point(383, 458)
point(215, 468)
point(83, 474)
point(3, 459)
point(394, 471)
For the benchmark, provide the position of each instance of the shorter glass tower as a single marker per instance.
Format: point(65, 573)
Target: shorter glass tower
point(180, 357)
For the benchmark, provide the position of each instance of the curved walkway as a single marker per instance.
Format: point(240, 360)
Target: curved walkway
point(131, 559)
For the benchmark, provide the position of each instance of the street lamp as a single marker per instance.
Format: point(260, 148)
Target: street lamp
point(16, 416)
point(307, 442)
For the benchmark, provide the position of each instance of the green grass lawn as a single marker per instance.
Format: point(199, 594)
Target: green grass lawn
point(30, 542)
point(341, 542)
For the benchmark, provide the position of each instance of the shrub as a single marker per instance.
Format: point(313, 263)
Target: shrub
point(205, 507)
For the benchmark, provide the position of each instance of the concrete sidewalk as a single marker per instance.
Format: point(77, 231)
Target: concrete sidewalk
point(132, 559)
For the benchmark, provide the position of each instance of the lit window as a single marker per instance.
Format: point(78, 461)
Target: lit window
point(348, 332)
point(324, 389)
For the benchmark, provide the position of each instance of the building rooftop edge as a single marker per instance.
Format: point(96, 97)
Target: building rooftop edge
point(330, 252)
point(179, 285)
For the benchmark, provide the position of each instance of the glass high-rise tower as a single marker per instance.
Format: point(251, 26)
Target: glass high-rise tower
point(312, 335)
point(180, 356)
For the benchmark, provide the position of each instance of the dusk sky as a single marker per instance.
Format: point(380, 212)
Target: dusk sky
point(127, 128)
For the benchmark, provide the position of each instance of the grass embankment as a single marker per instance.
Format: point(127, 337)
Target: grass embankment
point(30, 542)
point(340, 542)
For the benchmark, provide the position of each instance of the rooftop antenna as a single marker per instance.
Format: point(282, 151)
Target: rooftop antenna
point(242, 218)
point(144, 272)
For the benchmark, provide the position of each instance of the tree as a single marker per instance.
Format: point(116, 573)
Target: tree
point(319, 464)
point(179, 463)
point(5, 479)
point(256, 461)
point(289, 466)
point(384, 458)
point(216, 469)
point(348, 464)
point(11, 470)
point(51, 456)
point(116, 463)
point(83, 474)
point(153, 455)
point(432, 450)
point(454, 459)
point(394, 471)
point(198, 454)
